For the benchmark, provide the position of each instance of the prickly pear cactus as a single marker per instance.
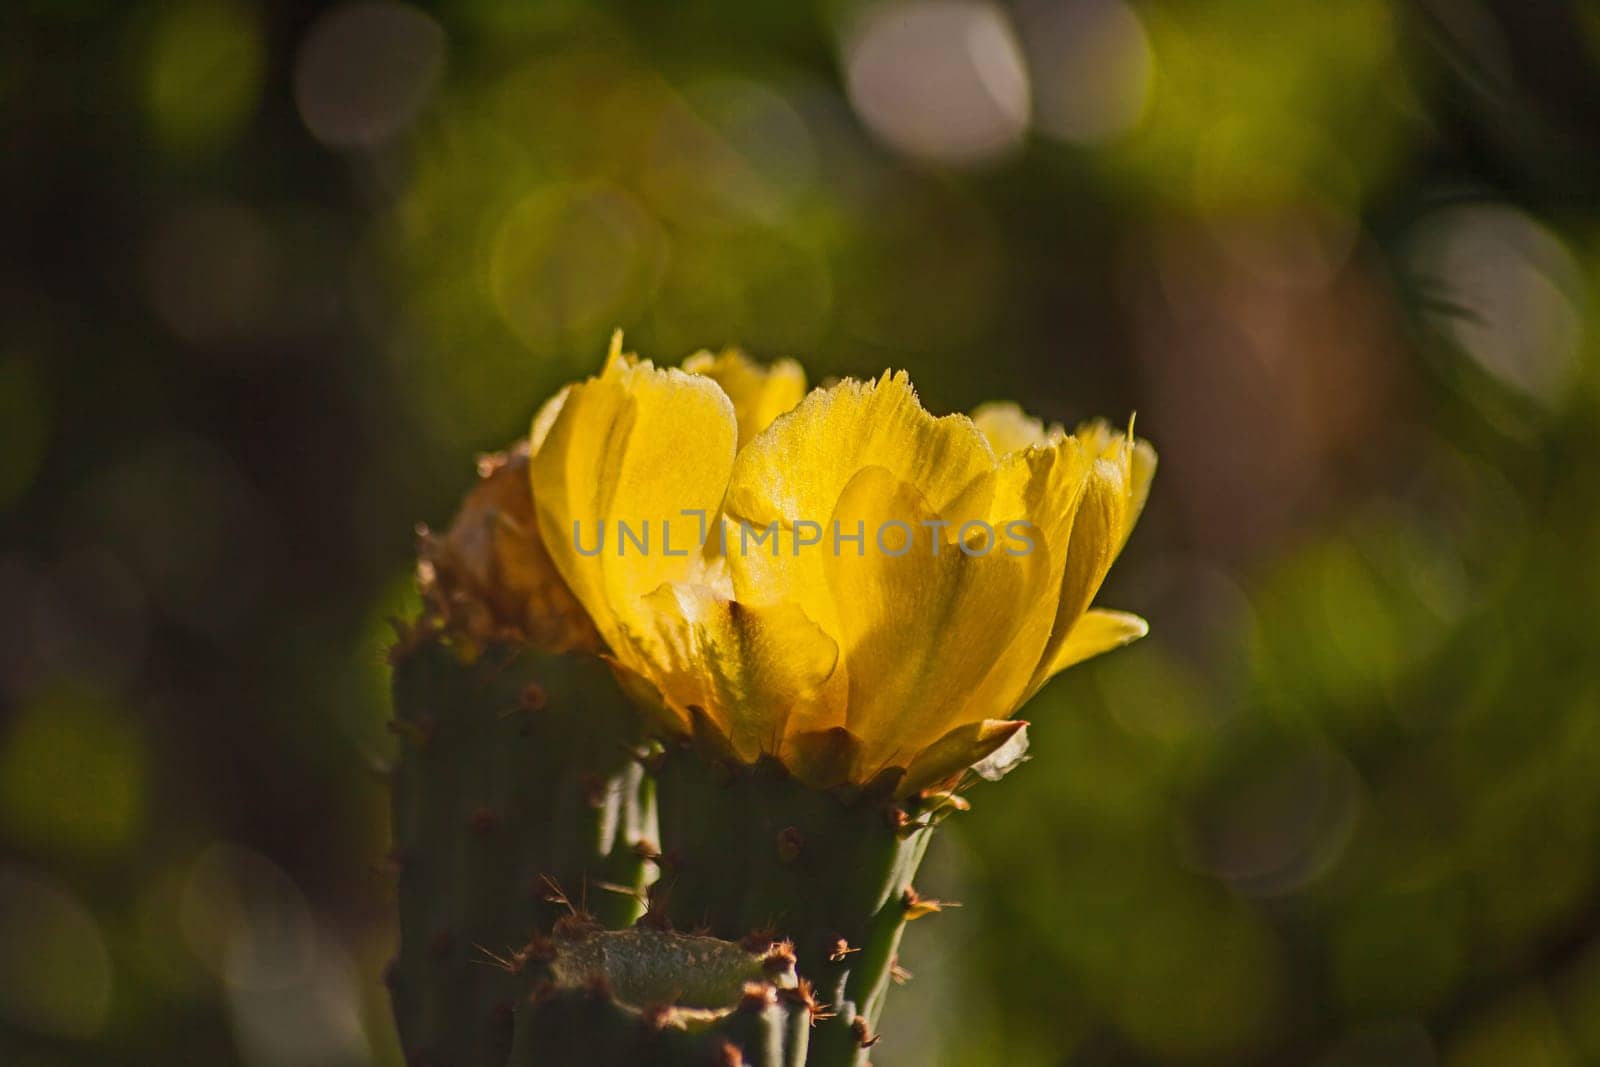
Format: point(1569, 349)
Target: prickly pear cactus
point(813, 721)
point(516, 790)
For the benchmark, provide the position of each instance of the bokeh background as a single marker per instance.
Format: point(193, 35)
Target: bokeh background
point(271, 274)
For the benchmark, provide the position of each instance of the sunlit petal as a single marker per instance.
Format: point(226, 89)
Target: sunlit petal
point(1009, 428)
point(744, 667)
point(934, 636)
point(795, 472)
point(1097, 631)
point(759, 393)
point(636, 447)
point(1115, 492)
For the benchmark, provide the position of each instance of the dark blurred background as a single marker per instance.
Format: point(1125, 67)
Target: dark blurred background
point(272, 274)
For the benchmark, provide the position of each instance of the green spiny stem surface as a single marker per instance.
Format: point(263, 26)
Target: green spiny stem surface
point(651, 997)
point(515, 779)
point(750, 849)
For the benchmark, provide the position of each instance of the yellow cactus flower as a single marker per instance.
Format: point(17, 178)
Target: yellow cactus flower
point(840, 579)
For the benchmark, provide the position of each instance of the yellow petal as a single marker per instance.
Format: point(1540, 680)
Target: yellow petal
point(759, 393)
point(1097, 631)
point(743, 668)
point(546, 418)
point(636, 446)
point(1100, 437)
point(798, 468)
point(1114, 494)
point(933, 637)
point(1134, 455)
point(821, 759)
point(1142, 472)
point(1043, 485)
point(1095, 538)
point(795, 471)
point(1010, 429)
point(1097, 534)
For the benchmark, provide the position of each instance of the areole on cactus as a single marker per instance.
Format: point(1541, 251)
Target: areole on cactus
point(812, 623)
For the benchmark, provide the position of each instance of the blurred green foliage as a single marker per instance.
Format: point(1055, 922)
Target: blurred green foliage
point(273, 273)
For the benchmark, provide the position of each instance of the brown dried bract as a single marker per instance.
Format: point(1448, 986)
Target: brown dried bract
point(489, 577)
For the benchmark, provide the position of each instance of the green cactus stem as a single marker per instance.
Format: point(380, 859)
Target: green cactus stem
point(653, 997)
point(517, 776)
point(748, 848)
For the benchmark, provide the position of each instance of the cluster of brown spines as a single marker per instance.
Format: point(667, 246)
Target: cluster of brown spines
point(916, 905)
point(780, 960)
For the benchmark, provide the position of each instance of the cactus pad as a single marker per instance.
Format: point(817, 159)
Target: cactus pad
point(515, 778)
